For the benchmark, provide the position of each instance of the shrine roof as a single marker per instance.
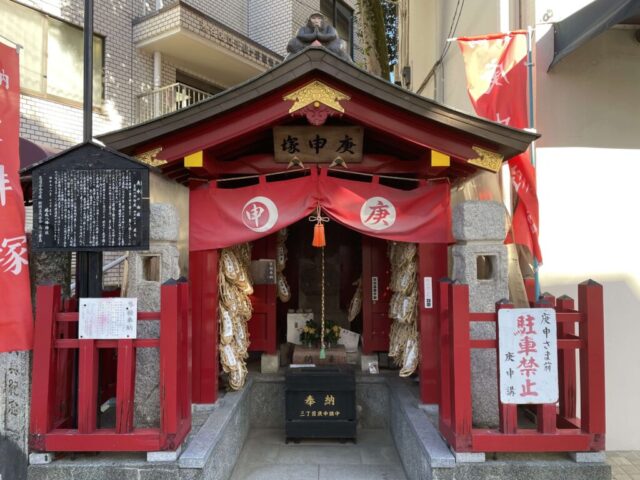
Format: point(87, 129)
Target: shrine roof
point(508, 141)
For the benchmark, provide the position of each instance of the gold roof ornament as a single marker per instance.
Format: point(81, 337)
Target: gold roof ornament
point(316, 93)
point(150, 157)
point(487, 159)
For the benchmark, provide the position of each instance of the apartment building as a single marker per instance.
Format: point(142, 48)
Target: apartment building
point(151, 57)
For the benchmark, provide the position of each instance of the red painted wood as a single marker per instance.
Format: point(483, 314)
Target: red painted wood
point(531, 441)
point(446, 353)
point(262, 326)
point(169, 313)
point(566, 363)
point(87, 386)
point(103, 440)
point(432, 263)
point(554, 432)
point(592, 395)
point(126, 386)
point(71, 343)
point(482, 317)
point(203, 270)
point(229, 127)
point(546, 417)
point(259, 164)
point(238, 124)
point(44, 361)
point(484, 343)
point(375, 314)
point(185, 354)
point(460, 364)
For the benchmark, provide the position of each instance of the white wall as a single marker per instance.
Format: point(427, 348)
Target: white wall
point(587, 110)
point(588, 172)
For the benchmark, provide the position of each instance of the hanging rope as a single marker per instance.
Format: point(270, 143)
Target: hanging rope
point(322, 346)
point(319, 241)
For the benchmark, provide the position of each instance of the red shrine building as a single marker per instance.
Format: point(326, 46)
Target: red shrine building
point(235, 135)
point(316, 152)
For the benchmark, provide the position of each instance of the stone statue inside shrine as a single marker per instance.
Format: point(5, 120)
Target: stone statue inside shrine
point(318, 32)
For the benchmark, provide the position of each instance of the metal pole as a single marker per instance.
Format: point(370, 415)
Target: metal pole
point(89, 264)
point(88, 71)
point(532, 126)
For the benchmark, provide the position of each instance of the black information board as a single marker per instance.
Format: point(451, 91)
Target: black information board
point(90, 199)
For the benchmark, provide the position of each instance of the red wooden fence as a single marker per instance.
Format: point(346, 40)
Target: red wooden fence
point(54, 401)
point(557, 427)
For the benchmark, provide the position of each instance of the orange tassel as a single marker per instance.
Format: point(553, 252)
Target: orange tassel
point(318, 235)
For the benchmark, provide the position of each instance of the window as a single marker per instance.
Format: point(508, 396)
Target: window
point(341, 17)
point(51, 63)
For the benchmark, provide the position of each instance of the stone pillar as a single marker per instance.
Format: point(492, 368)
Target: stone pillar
point(15, 375)
point(480, 260)
point(146, 273)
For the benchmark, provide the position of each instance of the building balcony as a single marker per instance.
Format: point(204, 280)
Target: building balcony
point(191, 40)
point(168, 99)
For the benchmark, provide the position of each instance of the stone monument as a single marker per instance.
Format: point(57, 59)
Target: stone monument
point(480, 260)
point(318, 32)
point(146, 273)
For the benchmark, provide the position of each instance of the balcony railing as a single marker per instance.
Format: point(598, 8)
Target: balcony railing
point(168, 99)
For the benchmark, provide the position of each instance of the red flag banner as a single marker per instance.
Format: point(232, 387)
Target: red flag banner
point(496, 72)
point(16, 320)
point(221, 217)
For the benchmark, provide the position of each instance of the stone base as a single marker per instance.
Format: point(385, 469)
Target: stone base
point(588, 457)
point(41, 458)
point(165, 456)
point(269, 363)
point(469, 457)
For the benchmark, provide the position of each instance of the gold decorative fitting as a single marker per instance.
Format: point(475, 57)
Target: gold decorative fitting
point(487, 160)
point(316, 93)
point(150, 157)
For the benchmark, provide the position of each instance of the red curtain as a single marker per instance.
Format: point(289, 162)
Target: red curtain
point(221, 217)
point(16, 321)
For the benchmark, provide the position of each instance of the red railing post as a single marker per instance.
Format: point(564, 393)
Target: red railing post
point(125, 388)
point(508, 412)
point(592, 394)
point(444, 409)
point(567, 363)
point(44, 364)
point(169, 317)
point(185, 351)
point(462, 420)
point(87, 386)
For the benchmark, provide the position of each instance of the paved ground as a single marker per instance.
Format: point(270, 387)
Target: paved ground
point(624, 465)
point(265, 456)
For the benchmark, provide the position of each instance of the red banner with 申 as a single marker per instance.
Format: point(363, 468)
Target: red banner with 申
point(16, 321)
point(221, 217)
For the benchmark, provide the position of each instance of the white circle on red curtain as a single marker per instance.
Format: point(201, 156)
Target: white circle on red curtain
point(378, 213)
point(260, 214)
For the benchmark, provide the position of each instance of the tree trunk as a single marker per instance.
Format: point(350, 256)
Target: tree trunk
point(374, 41)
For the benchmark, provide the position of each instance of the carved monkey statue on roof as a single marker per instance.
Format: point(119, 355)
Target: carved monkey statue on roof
point(318, 32)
